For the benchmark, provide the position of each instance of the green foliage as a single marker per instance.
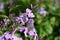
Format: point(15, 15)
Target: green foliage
point(3, 16)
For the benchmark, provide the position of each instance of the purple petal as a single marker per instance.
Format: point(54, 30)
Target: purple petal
point(22, 29)
point(24, 18)
point(42, 11)
point(35, 38)
point(25, 32)
point(7, 35)
point(18, 19)
point(20, 38)
point(1, 38)
point(34, 30)
point(6, 21)
point(28, 10)
point(31, 15)
point(14, 21)
point(31, 22)
point(31, 32)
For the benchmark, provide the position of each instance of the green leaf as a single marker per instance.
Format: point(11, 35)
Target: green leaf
point(42, 33)
point(17, 34)
point(46, 26)
point(38, 18)
point(44, 29)
point(49, 37)
point(3, 16)
point(57, 38)
point(52, 20)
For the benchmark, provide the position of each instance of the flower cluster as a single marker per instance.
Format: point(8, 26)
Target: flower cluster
point(24, 19)
point(9, 36)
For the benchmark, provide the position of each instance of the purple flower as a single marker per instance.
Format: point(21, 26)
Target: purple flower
point(34, 30)
point(42, 11)
point(24, 18)
point(6, 21)
point(7, 35)
point(35, 34)
point(7, 32)
point(13, 31)
point(31, 15)
point(20, 38)
point(22, 29)
point(18, 19)
point(1, 38)
point(25, 32)
point(31, 32)
point(11, 36)
point(28, 10)
point(31, 22)
point(35, 37)
point(14, 21)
